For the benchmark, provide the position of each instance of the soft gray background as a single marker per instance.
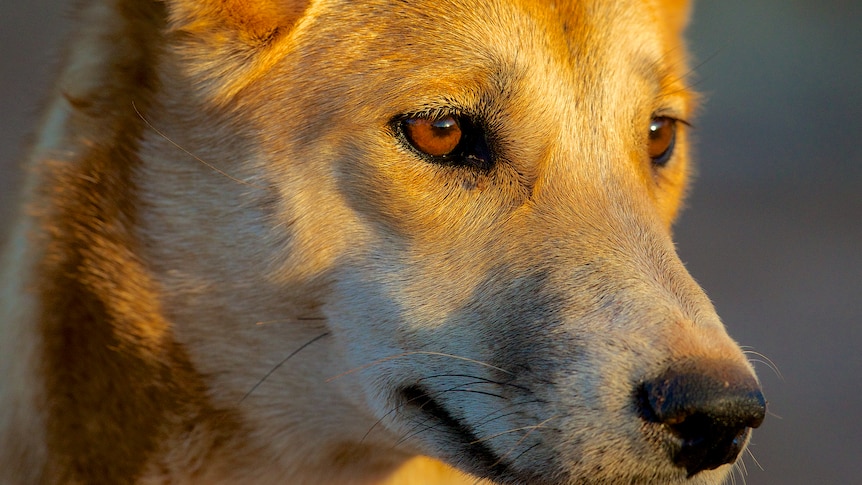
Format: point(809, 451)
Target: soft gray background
point(774, 226)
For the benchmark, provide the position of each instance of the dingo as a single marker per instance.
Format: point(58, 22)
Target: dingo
point(319, 242)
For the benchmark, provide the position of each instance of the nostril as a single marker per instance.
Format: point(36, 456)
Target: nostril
point(708, 407)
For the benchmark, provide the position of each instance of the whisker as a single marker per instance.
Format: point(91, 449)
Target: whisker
point(519, 455)
point(417, 352)
point(425, 427)
point(751, 454)
point(418, 426)
point(480, 380)
point(763, 359)
point(526, 435)
point(289, 320)
point(493, 416)
point(508, 431)
point(460, 387)
point(743, 469)
point(199, 159)
point(702, 62)
point(732, 476)
point(283, 361)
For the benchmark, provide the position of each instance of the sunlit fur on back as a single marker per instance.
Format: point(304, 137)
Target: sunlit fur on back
point(233, 264)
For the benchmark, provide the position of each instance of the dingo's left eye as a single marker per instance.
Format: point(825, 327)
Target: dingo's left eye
point(662, 136)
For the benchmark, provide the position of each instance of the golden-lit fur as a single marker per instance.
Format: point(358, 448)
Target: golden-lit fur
point(230, 262)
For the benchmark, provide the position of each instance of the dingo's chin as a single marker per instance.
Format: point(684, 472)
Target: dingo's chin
point(406, 242)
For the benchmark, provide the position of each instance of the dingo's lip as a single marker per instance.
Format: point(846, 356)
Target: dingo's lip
point(476, 454)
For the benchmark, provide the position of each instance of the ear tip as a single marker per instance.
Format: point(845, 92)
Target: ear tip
point(257, 21)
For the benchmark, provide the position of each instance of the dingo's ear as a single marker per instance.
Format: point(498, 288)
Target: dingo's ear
point(226, 44)
point(253, 22)
point(675, 14)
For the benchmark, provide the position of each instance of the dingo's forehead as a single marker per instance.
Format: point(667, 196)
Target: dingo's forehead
point(457, 48)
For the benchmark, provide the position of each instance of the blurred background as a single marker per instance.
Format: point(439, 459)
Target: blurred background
point(773, 229)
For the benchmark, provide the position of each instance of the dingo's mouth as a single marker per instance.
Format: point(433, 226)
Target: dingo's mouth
point(477, 455)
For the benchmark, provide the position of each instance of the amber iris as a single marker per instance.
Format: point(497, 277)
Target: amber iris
point(433, 136)
point(662, 133)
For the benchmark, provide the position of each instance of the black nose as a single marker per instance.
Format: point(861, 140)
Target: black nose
point(708, 407)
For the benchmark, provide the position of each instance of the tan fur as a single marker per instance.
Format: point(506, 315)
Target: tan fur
point(230, 264)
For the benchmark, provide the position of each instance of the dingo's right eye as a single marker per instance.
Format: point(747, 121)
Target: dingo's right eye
point(455, 140)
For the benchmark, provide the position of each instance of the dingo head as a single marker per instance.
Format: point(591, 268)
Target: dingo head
point(472, 201)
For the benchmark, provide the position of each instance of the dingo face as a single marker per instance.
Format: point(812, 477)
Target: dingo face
point(351, 234)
